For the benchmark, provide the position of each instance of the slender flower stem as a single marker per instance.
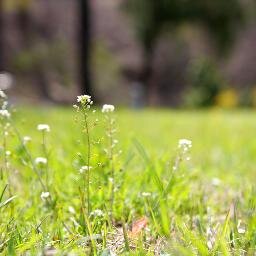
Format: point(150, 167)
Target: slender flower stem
point(107, 110)
point(87, 173)
point(88, 164)
point(111, 159)
point(34, 168)
point(2, 171)
point(6, 164)
point(47, 157)
point(84, 105)
point(5, 156)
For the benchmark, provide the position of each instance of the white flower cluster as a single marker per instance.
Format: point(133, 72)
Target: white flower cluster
point(216, 182)
point(43, 127)
point(4, 105)
point(85, 168)
point(2, 94)
point(185, 144)
point(41, 160)
point(107, 108)
point(6, 80)
point(26, 139)
point(4, 113)
point(45, 195)
point(146, 194)
point(71, 210)
point(8, 153)
point(97, 213)
point(84, 99)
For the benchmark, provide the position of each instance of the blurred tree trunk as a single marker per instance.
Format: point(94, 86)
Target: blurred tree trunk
point(2, 64)
point(24, 22)
point(146, 75)
point(85, 47)
point(28, 30)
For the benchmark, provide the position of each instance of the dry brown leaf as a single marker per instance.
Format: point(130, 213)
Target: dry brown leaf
point(137, 227)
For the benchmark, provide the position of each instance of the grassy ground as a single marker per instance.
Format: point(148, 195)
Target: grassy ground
point(154, 198)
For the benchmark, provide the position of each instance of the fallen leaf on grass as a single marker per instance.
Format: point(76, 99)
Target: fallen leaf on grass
point(137, 227)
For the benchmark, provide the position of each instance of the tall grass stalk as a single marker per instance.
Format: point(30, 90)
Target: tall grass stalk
point(110, 131)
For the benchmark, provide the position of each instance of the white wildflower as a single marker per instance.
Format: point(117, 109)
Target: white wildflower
point(8, 153)
point(45, 195)
point(241, 230)
point(146, 194)
point(26, 139)
point(97, 213)
point(185, 143)
point(43, 127)
point(41, 160)
point(107, 108)
point(216, 182)
point(5, 113)
point(2, 94)
point(71, 210)
point(6, 80)
point(75, 107)
point(85, 168)
point(84, 99)
point(4, 105)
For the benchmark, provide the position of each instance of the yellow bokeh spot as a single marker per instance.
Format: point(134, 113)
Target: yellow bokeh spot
point(13, 5)
point(228, 98)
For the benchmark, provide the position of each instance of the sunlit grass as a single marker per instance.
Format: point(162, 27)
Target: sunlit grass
point(205, 206)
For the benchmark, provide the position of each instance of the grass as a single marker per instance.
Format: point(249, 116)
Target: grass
point(204, 207)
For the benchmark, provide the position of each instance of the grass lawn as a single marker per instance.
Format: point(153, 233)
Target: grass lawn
point(148, 195)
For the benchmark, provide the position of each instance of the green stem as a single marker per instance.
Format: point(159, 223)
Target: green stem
point(6, 166)
point(88, 161)
point(111, 160)
point(47, 157)
point(34, 168)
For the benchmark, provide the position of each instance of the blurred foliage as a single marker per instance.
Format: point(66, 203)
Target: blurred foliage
point(220, 17)
point(205, 83)
point(44, 56)
point(248, 97)
point(254, 96)
point(106, 72)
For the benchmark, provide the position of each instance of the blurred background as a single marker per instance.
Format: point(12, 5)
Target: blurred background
point(168, 53)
